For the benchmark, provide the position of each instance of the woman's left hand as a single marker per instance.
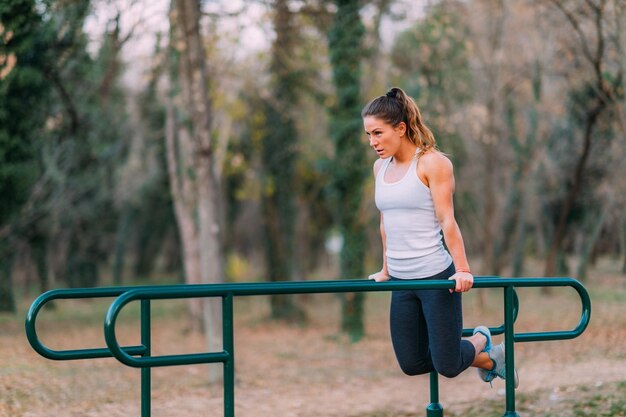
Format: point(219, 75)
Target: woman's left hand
point(464, 281)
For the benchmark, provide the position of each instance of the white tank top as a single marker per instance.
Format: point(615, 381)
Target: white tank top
point(414, 242)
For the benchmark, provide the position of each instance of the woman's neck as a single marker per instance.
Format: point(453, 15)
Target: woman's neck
point(405, 153)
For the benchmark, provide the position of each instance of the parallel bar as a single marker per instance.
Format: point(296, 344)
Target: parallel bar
point(75, 293)
point(152, 361)
point(229, 291)
point(301, 287)
point(229, 346)
point(569, 334)
point(146, 382)
point(310, 287)
point(288, 287)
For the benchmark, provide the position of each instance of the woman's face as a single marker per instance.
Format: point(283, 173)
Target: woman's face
point(385, 139)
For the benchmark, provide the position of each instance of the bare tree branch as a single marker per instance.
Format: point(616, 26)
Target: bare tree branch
point(600, 41)
point(576, 25)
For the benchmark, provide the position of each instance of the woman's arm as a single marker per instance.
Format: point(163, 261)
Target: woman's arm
point(383, 274)
point(439, 173)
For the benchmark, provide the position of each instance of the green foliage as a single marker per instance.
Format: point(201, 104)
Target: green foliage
point(88, 148)
point(349, 166)
point(24, 94)
point(56, 129)
point(434, 54)
point(151, 210)
point(568, 135)
point(431, 60)
point(278, 156)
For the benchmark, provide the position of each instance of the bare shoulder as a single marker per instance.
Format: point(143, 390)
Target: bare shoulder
point(377, 164)
point(436, 163)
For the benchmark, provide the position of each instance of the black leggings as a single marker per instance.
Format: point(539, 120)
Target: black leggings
point(426, 328)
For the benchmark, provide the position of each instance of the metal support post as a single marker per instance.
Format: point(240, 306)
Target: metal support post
point(229, 347)
point(434, 409)
point(146, 371)
point(509, 347)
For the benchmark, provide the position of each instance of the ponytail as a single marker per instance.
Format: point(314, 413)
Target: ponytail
point(396, 107)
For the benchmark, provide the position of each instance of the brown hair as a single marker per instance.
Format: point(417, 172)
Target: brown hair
point(396, 107)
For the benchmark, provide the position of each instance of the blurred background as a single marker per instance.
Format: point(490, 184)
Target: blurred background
point(190, 141)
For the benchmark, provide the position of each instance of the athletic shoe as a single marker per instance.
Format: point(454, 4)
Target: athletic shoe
point(497, 355)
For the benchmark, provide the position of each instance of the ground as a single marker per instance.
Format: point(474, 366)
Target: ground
point(310, 371)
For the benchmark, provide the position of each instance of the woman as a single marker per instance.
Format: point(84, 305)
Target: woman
point(414, 188)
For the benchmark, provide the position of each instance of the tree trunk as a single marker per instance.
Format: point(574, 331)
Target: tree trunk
point(192, 175)
point(527, 172)
point(184, 204)
point(56, 256)
point(497, 12)
point(278, 159)
point(350, 170)
point(39, 245)
point(377, 70)
point(121, 237)
point(591, 239)
point(489, 213)
point(490, 201)
point(7, 299)
point(111, 51)
point(620, 21)
point(211, 254)
point(512, 216)
point(512, 229)
point(518, 253)
point(624, 244)
point(602, 95)
point(572, 194)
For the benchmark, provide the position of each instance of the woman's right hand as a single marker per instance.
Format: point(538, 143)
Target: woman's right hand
point(380, 276)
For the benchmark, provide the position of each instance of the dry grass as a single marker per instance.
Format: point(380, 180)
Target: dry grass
point(308, 371)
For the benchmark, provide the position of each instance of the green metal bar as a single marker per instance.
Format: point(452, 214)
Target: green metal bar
point(509, 351)
point(152, 361)
point(229, 291)
point(229, 346)
point(310, 287)
point(585, 317)
point(434, 409)
point(302, 287)
point(73, 354)
point(481, 282)
point(146, 372)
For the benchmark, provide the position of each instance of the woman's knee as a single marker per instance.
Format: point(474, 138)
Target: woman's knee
point(448, 371)
point(415, 369)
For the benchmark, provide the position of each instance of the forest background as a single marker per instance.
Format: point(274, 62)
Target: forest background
point(255, 155)
point(231, 147)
